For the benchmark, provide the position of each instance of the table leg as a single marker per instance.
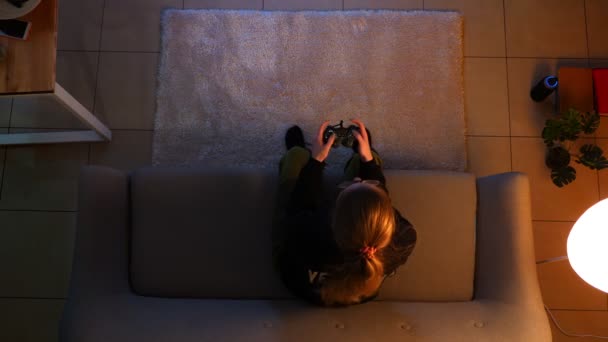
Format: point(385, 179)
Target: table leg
point(99, 132)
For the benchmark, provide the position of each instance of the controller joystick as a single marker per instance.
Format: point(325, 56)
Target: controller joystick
point(344, 135)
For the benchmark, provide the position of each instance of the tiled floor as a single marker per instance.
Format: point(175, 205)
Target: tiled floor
point(108, 55)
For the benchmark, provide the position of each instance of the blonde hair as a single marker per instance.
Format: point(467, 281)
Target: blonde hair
point(363, 218)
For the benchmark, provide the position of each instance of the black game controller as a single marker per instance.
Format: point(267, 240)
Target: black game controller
point(344, 135)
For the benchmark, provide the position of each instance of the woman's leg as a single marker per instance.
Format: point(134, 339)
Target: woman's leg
point(289, 170)
point(353, 165)
point(351, 169)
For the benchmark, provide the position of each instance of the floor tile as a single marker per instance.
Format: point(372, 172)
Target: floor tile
point(562, 288)
point(127, 151)
point(597, 27)
point(536, 28)
point(133, 25)
point(5, 111)
point(550, 238)
point(42, 111)
point(603, 174)
point(302, 5)
point(579, 322)
point(37, 252)
point(556, 334)
point(77, 74)
point(602, 131)
point(30, 320)
point(79, 26)
point(489, 155)
point(43, 177)
point(383, 4)
point(227, 4)
point(548, 201)
point(486, 100)
point(528, 117)
point(484, 33)
point(126, 90)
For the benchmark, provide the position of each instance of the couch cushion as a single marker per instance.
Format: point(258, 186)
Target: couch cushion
point(442, 208)
point(206, 233)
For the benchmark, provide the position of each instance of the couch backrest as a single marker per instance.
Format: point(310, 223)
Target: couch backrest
point(205, 233)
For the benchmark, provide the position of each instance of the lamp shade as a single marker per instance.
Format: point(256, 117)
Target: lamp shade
point(588, 246)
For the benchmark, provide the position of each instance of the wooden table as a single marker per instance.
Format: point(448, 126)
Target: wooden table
point(28, 69)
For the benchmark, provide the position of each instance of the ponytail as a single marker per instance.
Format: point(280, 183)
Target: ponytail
point(372, 266)
point(363, 225)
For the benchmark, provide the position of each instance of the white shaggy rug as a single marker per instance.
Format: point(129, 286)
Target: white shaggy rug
point(231, 82)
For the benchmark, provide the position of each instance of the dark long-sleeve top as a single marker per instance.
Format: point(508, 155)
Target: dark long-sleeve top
point(310, 249)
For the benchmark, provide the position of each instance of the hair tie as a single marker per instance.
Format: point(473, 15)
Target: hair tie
point(368, 251)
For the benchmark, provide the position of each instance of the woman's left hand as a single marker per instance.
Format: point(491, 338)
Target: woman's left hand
point(365, 150)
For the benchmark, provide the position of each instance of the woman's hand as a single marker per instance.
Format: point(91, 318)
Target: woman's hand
point(365, 151)
point(320, 151)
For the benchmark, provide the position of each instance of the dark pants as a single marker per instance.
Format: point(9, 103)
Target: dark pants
point(289, 170)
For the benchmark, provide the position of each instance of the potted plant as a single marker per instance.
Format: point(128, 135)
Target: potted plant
point(559, 135)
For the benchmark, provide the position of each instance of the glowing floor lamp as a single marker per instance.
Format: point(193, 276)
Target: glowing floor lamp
point(588, 246)
point(587, 250)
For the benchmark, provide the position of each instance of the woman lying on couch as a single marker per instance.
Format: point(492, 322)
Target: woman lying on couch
point(335, 255)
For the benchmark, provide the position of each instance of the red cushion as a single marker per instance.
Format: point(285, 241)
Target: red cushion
point(600, 87)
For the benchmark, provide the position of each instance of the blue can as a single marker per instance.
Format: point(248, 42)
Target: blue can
point(544, 88)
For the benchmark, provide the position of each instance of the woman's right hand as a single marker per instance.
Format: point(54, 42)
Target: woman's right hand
point(320, 150)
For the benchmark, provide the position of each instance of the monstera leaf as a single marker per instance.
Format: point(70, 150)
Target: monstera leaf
point(568, 126)
point(563, 176)
point(590, 122)
point(592, 157)
point(551, 132)
point(571, 125)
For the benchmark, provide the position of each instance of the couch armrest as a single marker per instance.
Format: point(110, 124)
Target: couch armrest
point(101, 249)
point(100, 266)
point(505, 263)
point(505, 266)
point(505, 275)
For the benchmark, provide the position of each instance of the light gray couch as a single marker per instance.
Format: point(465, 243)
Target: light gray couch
point(183, 254)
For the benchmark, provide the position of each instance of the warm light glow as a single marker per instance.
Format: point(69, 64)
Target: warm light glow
point(588, 246)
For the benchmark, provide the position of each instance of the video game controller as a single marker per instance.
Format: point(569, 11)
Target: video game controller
point(344, 135)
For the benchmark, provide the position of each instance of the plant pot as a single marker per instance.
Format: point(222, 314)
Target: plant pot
point(557, 157)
